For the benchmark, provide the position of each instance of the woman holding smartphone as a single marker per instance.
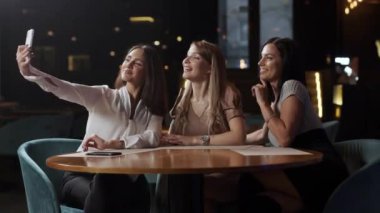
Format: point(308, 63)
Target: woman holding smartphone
point(126, 117)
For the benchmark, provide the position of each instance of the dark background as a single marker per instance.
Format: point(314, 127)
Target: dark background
point(320, 27)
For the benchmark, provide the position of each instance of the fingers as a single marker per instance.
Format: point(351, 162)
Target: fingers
point(94, 141)
point(23, 55)
point(84, 145)
point(171, 139)
point(253, 91)
point(256, 88)
point(87, 143)
point(22, 51)
point(20, 48)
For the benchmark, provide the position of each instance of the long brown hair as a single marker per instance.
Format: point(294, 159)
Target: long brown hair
point(153, 94)
point(217, 84)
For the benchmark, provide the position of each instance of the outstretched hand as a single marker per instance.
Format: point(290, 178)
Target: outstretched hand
point(23, 57)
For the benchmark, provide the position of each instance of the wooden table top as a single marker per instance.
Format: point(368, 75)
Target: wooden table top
point(181, 161)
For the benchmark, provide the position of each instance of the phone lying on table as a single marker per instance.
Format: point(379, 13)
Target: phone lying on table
point(105, 153)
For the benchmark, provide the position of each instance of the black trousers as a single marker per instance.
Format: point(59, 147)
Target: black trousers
point(98, 193)
point(179, 194)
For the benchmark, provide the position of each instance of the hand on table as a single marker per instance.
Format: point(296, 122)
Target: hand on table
point(172, 139)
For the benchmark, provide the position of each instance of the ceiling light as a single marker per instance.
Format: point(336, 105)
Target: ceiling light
point(141, 19)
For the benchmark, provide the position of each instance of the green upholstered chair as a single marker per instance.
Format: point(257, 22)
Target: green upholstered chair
point(359, 193)
point(331, 128)
point(253, 121)
point(34, 127)
point(357, 153)
point(42, 183)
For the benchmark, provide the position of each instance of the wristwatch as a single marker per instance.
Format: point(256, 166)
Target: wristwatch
point(205, 140)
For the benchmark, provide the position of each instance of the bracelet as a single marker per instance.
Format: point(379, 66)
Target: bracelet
point(270, 118)
point(205, 140)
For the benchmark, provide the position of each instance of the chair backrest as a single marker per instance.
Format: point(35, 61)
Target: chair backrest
point(34, 127)
point(41, 183)
point(331, 128)
point(253, 121)
point(358, 152)
point(358, 193)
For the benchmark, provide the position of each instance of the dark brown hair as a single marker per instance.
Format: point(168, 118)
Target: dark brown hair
point(291, 64)
point(153, 94)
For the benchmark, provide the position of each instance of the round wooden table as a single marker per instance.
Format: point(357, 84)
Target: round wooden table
point(181, 161)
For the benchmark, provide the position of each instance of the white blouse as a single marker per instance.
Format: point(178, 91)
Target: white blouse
point(310, 119)
point(109, 111)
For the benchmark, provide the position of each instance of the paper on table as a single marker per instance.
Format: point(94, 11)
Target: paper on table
point(259, 150)
point(133, 151)
point(210, 147)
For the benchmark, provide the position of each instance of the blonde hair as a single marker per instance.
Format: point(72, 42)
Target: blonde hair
point(216, 90)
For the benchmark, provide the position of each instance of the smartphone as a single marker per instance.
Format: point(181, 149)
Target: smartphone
point(29, 38)
point(103, 153)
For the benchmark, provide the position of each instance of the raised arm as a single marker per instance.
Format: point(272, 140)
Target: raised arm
point(285, 126)
point(76, 93)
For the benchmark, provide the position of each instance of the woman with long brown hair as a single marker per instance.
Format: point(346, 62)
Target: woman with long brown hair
point(129, 116)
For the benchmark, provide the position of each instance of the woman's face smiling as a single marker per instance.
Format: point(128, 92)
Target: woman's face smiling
point(195, 67)
point(270, 63)
point(133, 67)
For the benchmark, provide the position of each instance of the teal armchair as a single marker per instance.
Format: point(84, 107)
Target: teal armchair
point(13, 134)
point(360, 191)
point(42, 183)
point(357, 153)
point(331, 128)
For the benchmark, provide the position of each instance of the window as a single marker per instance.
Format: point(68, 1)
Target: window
point(78, 63)
point(233, 32)
point(276, 19)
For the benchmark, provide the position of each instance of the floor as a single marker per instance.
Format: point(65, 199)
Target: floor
point(12, 194)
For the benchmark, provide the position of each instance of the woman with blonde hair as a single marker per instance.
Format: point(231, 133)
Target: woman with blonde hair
point(207, 111)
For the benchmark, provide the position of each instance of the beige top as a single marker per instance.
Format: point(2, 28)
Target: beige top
point(310, 119)
point(231, 106)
